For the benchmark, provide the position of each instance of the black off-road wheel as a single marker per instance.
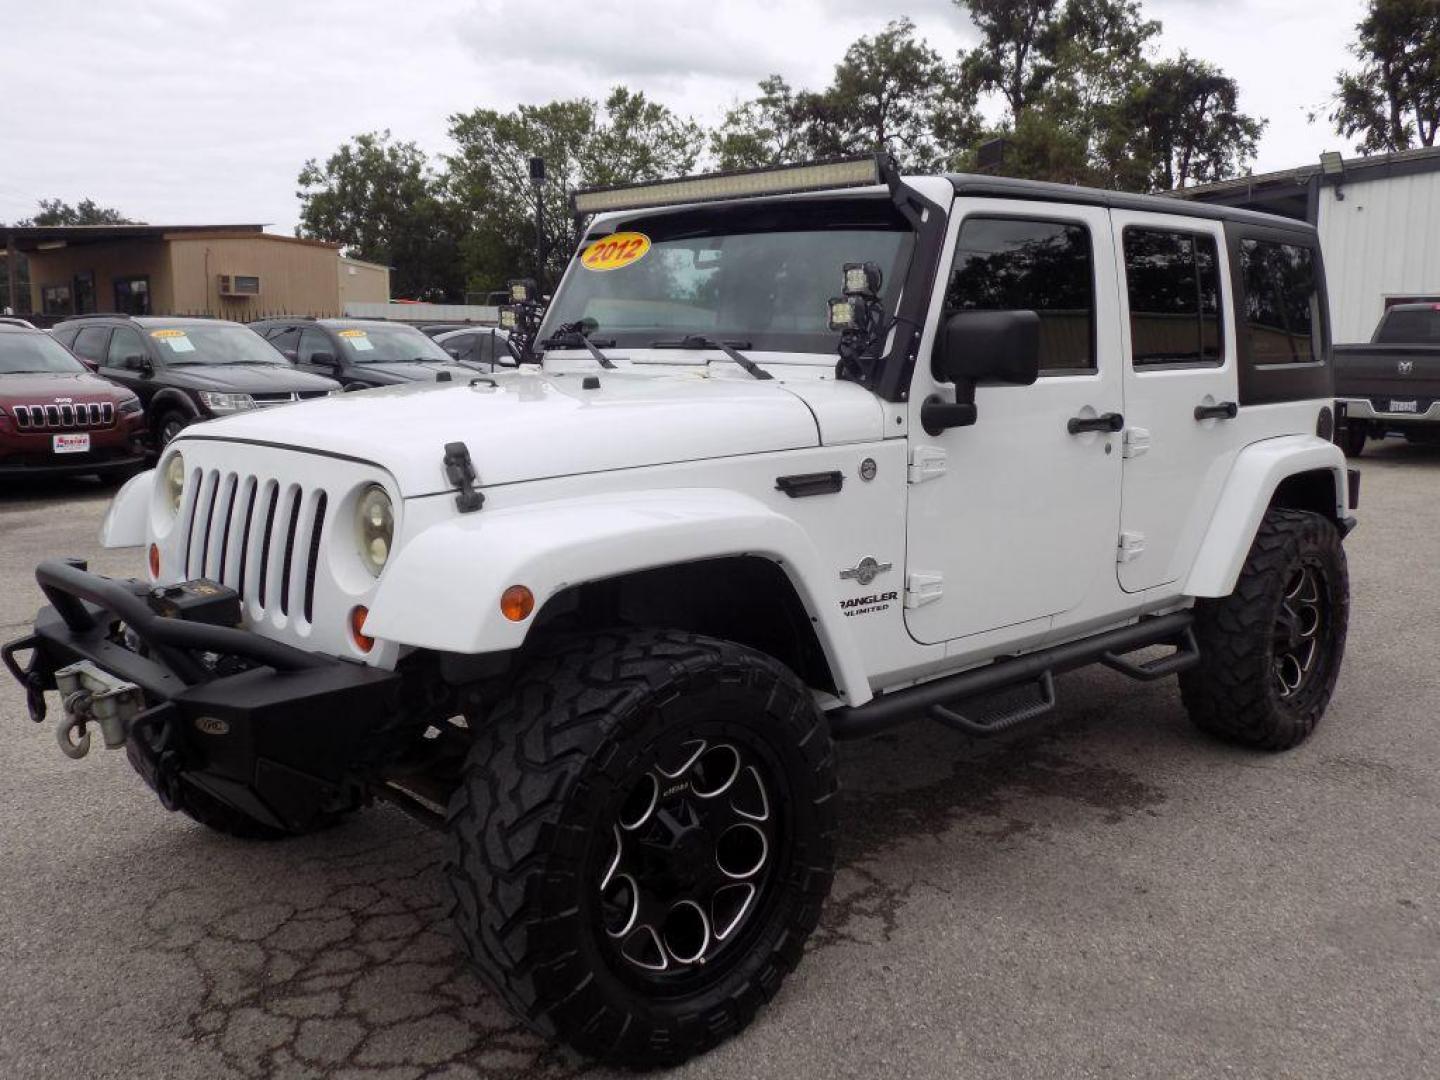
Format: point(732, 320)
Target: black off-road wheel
point(643, 841)
point(1271, 650)
point(1352, 439)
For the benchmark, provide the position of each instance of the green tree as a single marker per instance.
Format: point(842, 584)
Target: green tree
point(891, 91)
point(1085, 103)
point(1185, 123)
point(1016, 54)
point(777, 127)
point(85, 212)
point(382, 202)
point(629, 138)
point(1392, 100)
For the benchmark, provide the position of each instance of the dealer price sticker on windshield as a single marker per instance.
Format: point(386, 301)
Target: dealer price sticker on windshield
point(616, 250)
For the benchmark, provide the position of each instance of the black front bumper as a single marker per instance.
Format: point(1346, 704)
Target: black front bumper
point(282, 735)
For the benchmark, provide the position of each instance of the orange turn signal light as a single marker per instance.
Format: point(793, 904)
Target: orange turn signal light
point(154, 563)
point(516, 603)
point(357, 620)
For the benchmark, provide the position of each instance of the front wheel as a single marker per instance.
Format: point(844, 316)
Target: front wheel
point(169, 426)
point(643, 841)
point(1271, 650)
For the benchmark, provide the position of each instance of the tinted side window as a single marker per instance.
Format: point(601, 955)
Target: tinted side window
point(66, 335)
point(1281, 302)
point(1173, 283)
point(311, 342)
point(91, 342)
point(287, 340)
point(1010, 264)
point(126, 342)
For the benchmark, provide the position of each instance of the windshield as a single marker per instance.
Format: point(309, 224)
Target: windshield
point(759, 274)
point(36, 352)
point(219, 344)
point(389, 344)
point(1410, 326)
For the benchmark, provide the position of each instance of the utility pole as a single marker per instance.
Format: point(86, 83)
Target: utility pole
point(537, 182)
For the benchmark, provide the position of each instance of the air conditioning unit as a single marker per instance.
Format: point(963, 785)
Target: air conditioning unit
point(239, 285)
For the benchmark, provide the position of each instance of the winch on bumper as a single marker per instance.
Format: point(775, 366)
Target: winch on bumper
point(280, 734)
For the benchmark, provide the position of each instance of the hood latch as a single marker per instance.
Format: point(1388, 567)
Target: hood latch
point(460, 471)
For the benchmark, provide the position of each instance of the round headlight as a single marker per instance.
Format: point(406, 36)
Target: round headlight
point(374, 528)
point(174, 481)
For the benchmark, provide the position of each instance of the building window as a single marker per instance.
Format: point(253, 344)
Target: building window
point(132, 295)
point(1282, 303)
point(1173, 284)
point(1016, 264)
point(85, 293)
point(55, 300)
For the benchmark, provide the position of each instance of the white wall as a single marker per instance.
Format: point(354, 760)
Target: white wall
point(1382, 240)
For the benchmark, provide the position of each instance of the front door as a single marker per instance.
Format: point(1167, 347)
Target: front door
point(1180, 390)
point(1013, 521)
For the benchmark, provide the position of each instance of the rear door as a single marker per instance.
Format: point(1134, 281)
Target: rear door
point(1181, 399)
point(1012, 521)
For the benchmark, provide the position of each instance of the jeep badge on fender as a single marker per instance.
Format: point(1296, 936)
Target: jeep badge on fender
point(791, 456)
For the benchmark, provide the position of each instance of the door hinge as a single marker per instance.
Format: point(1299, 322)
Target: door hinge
point(1137, 442)
point(1132, 546)
point(926, 463)
point(922, 589)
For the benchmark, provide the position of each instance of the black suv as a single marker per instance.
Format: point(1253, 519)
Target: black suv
point(185, 370)
point(360, 353)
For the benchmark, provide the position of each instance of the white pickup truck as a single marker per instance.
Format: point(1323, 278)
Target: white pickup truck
point(794, 456)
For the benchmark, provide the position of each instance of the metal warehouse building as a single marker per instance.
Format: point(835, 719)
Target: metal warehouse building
point(1379, 224)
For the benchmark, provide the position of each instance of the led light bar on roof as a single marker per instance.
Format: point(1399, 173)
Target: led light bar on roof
point(738, 185)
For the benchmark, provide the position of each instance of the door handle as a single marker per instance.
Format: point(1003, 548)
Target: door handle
point(1110, 421)
point(1226, 410)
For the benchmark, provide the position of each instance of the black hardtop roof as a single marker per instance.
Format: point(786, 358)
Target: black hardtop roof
point(1000, 187)
point(1414, 305)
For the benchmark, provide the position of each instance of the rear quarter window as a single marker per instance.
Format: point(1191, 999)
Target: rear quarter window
point(1282, 303)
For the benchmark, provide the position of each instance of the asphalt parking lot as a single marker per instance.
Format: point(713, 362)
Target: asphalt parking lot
point(1111, 896)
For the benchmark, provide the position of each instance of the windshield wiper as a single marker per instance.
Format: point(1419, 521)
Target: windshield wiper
point(570, 335)
point(729, 348)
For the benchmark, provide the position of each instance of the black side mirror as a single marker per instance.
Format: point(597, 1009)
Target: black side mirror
point(989, 346)
point(324, 359)
point(980, 346)
point(139, 363)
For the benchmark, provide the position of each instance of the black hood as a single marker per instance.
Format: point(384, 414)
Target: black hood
point(410, 371)
point(245, 378)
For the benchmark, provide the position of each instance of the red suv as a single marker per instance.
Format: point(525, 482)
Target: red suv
point(58, 417)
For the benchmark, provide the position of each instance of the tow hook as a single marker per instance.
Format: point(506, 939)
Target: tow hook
point(91, 696)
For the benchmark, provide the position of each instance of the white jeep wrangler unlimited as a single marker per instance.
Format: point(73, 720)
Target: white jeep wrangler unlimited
point(600, 618)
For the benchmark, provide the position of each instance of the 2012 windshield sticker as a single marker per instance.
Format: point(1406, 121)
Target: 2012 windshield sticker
point(357, 340)
point(614, 251)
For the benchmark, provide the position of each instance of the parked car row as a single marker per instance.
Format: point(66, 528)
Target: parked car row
point(98, 393)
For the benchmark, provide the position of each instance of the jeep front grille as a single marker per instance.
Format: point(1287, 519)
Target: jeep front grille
point(259, 536)
point(63, 417)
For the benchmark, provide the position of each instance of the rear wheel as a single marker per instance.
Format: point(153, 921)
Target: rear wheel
point(643, 841)
point(1271, 650)
point(1352, 439)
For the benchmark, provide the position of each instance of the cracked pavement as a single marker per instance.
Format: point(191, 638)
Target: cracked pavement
point(1107, 895)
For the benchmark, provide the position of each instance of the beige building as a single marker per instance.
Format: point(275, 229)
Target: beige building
point(228, 271)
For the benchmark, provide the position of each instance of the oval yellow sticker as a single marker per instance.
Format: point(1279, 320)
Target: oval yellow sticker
point(616, 250)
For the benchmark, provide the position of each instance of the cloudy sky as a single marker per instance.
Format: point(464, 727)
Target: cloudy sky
point(197, 111)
